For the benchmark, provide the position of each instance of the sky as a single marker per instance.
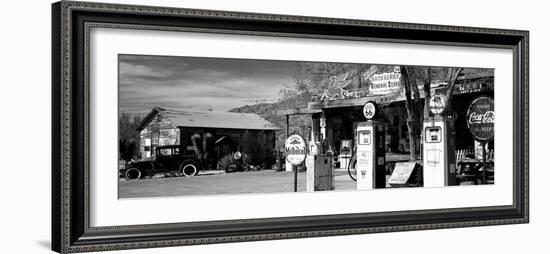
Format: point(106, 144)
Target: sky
point(198, 83)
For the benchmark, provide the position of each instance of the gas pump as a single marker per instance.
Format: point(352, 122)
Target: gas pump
point(371, 158)
point(439, 168)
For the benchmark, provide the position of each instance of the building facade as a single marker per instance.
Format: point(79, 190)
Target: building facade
point(335, 116)
point(217, 133)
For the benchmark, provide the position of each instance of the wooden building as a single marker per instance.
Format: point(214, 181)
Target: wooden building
point(222, 132)
point(335, 116)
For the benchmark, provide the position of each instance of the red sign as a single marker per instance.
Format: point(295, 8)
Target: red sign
point(481, 118)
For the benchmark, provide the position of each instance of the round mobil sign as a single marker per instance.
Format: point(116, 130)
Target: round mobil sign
point(481, 118)
point(295, 148)
point(370, 110)
point(437, 104)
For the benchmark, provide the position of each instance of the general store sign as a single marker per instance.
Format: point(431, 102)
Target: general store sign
point(295, 148)
point(385, 83)
point(481, 118)
point(340, 88)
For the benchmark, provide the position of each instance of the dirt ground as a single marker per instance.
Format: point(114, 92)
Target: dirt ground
point(268, 181)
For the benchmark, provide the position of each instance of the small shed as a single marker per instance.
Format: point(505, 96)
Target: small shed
point(218, 132)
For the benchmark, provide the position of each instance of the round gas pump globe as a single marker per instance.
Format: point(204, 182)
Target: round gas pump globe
point(481, 118)
point(323, 122)
point(437, 104)
point(370, 110)
point(295, 149)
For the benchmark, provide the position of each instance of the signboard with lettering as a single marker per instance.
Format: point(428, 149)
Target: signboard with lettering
point(466, 88)
point(295, 148)
point(385, 83)
point(481, 118)
point(345, 86)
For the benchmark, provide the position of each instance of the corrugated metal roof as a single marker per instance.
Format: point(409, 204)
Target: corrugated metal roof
point(217, 119)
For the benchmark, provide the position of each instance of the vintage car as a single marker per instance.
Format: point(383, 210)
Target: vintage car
point(171, 159)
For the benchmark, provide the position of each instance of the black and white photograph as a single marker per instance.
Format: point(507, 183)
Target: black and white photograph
point(275, 127)
point(191, 126)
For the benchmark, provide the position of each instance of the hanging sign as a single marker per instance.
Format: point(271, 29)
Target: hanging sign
point(370, 110)
point(481, 118)
point(295, 148)
point(437, 104)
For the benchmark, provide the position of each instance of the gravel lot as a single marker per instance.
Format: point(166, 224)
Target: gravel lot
point(267, 181)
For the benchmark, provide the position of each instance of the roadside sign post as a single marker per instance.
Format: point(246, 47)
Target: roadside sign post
point(295, 148)
point(484, 180)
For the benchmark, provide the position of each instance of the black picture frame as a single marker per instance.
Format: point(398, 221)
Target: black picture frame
point(71, 231)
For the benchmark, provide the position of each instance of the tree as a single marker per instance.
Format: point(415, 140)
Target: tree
point(128, 135)
point(412, 76)
point(408, 78)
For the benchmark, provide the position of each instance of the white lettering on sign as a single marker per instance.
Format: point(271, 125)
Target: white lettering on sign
point(339, 81)
point(481, 118)
point(295, 149)
point(477, 117)
point(385, 83)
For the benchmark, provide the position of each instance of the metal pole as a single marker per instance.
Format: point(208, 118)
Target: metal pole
point(484, 180)
point(294, 168)
point(287, 127)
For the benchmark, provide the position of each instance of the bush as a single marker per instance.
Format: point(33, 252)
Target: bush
point(255, 152)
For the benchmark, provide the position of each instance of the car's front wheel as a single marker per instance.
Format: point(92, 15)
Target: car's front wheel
point(189, 168)
point(132, 174)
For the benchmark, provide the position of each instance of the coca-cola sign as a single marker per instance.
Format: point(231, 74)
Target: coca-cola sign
point(481, 118)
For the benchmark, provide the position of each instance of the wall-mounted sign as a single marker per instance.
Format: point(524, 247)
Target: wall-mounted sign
point(385, 83)
point(397, 69)
point(365, 76)
point(437, 104)
point(340, 88)
point(481, 118)
point(295, 148)
point(470, 88)
point(370, 110)
point(337, 88)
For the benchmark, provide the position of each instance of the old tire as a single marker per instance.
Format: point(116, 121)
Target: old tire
point(189, 168)
point(132, 174)
point(231, 168)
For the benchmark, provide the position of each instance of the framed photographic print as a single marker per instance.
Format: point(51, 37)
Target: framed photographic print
point(181, 126)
